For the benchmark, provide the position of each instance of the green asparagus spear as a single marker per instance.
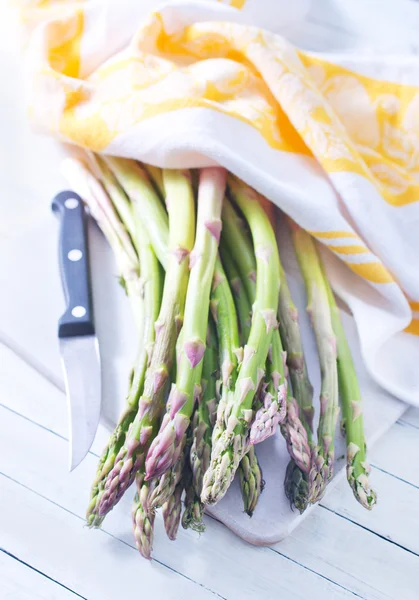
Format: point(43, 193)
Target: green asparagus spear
point(318, 307)
point(241, 299)
point(230, 446)
point(165, 448)
point(205, 412)
point(357, 467)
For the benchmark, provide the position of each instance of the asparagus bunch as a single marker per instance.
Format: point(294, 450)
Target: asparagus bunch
point(228, 386)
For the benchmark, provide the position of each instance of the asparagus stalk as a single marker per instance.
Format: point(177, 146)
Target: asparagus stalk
point(147, 206)
point(235, 242)
point(205, 413)
point(318, 307)
point(180, 204)
point(357, 467)
point(239, 244)
point(297, 367)
point(296, 479)
point(230, 447)
point(156, 177)
point(241, 300)
point(251, 481)
point(165, 448)
point(250, 473)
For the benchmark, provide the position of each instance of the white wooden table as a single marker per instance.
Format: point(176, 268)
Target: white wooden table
point(340, 552)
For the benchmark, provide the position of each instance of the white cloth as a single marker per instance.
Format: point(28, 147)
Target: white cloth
point(333, 141)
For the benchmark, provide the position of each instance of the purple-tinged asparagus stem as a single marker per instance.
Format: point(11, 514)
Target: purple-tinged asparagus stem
point(165, 492)
point(180, 206)
point(164, 451)
point(357, 467)
point(296, 436)
point(273, 397)
point(162, 487)
point(251, 481)
point(229, 448)
point(321, 471)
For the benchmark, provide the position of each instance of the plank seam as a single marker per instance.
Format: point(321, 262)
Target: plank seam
point(40, 572)
point(395, 476)
point(316, 573)
point(383, 537)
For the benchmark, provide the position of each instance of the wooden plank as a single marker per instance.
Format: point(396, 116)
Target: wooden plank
point(352, 557)
point(98, 567)
point(21, 582)
point(395, 517)
point(219, 560)
point(396, 453)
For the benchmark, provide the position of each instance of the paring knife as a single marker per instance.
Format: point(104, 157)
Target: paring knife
point(79, 347)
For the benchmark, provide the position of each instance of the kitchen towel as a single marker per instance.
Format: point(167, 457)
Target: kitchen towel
point(333, 140)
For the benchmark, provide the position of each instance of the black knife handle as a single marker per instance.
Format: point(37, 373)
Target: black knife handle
point(77, 319)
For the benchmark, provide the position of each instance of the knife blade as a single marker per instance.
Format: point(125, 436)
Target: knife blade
point(78, 344)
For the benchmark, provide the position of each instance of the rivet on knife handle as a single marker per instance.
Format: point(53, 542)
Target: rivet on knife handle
point(77, 319)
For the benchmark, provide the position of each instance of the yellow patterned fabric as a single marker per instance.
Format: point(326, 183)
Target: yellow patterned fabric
point(195, 83)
